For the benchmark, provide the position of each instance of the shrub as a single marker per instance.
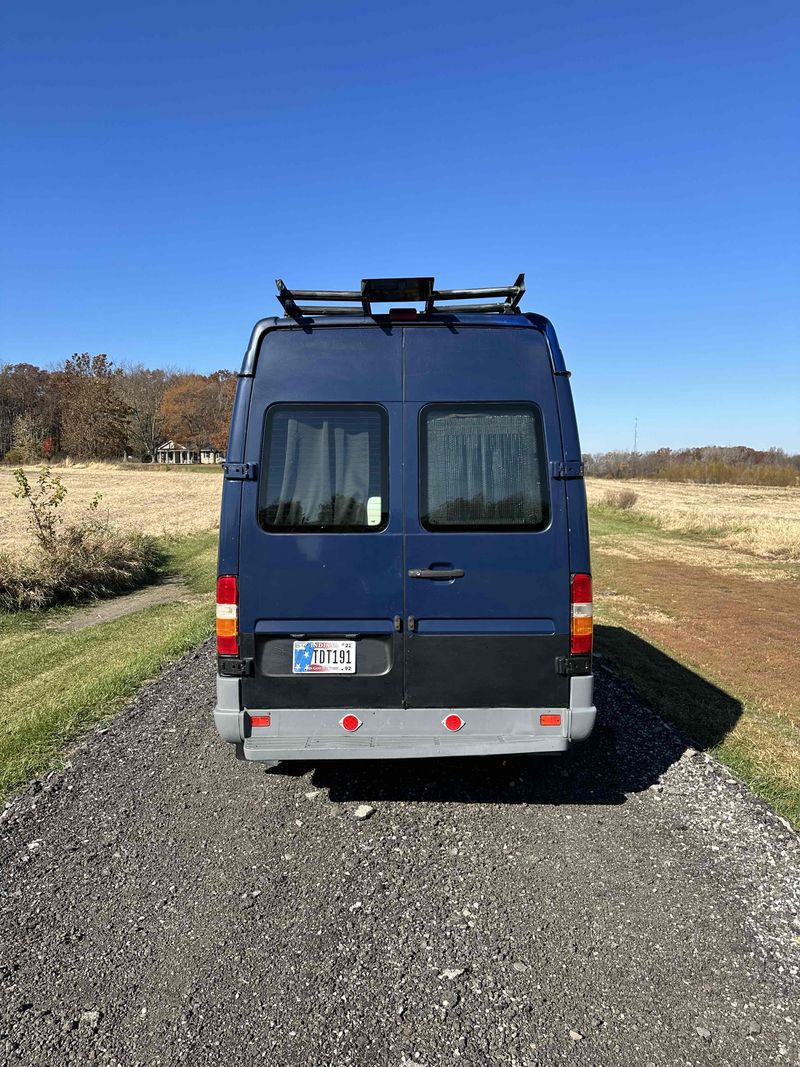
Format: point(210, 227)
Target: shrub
point(71, 561)
point(622, 499)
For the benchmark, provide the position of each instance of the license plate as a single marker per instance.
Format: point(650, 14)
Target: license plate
point(324, 657)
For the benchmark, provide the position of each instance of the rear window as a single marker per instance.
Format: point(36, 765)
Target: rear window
point(483, 467)
point(324, 468)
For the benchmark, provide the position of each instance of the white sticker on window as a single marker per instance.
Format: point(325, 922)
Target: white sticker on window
point(374, 511)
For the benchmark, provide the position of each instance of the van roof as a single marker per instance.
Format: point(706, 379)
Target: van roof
point(410, 290)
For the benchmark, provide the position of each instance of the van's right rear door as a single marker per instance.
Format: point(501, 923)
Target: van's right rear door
point(487, 543)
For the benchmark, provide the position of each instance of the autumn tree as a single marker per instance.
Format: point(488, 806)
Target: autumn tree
point(94, 418)
point(184, 410)
point(196, 409)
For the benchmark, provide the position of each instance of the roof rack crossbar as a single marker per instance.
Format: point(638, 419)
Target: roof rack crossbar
point(310, 310)
point(403, 290)
point(464, 308)
point(324, 294)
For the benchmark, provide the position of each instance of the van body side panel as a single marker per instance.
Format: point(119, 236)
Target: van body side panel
point(575, 487)
point(491, 637)
point(230, 509)
point(298, 584)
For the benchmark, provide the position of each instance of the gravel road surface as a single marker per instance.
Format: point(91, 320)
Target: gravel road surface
point(628, 904)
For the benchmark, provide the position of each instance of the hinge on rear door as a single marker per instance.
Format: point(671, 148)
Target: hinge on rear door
point(572, 665)
point(240, 472)
point(229, 667)
point(566, 468)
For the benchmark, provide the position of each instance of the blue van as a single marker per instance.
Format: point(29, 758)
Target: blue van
point(404, 551)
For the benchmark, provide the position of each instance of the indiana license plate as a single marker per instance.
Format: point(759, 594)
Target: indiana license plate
point(324, 657)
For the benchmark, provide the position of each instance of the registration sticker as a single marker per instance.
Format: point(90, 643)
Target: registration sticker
point(324, 657)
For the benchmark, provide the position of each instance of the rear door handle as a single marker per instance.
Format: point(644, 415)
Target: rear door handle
point(437, 576)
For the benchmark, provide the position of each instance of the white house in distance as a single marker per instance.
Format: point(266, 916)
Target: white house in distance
point(172, 452)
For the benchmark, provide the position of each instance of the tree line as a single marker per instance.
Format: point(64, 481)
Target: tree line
point(89, 409)
point(715, 464)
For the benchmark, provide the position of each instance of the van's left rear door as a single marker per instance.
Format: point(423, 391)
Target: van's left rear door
point(321, 536)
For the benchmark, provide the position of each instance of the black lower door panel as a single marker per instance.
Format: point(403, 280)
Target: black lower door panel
point(484, 671)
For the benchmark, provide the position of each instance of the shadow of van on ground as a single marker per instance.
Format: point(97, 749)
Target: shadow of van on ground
point(629, 750)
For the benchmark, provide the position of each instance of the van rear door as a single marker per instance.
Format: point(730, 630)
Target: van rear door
point(321, 539)
point(487, 550)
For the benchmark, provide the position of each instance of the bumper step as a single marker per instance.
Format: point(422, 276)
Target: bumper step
point(316, 748)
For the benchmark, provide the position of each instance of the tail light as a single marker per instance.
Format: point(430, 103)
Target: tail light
point(227, 615)
point(580, 634)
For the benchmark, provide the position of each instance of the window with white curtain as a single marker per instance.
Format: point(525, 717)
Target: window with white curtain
point(483, 467)
point(324, 468)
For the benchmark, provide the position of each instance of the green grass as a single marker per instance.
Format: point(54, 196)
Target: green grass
point(55, 684)
point(606, 521)
point(194, 559)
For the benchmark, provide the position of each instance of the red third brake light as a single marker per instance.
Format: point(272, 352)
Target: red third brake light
point(580, 634)
point(227, 615)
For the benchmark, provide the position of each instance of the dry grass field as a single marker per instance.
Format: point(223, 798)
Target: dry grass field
point(758, 521)
point(158, 500)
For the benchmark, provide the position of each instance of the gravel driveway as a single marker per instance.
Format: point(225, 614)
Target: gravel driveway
point(627, 904)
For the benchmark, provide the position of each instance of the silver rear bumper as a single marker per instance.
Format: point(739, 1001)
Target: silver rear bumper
point(397, 733)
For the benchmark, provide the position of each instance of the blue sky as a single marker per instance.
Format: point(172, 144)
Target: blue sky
point(164, 162)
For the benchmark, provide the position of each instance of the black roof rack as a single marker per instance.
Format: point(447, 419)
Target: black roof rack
point(392, 290)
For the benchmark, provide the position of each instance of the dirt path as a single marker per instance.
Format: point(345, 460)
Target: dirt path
point(731, 625)
point(166, 592)
point(626, 905)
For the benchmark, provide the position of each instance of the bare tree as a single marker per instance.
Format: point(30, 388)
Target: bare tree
point(142, 391)
point(29, 391)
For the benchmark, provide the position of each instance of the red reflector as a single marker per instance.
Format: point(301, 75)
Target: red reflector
point(549, 720)
point(261, 720)
point(453, 723)
point(226, 589)
point(350, 723)
point(580, 644)
point(402, 314)
point(228, 646)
